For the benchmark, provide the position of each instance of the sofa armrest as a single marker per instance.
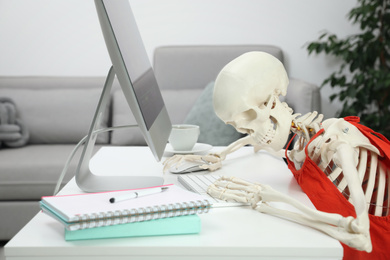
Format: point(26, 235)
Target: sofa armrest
point(303, 97)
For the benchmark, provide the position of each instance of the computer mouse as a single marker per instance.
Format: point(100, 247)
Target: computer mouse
point(186, 167)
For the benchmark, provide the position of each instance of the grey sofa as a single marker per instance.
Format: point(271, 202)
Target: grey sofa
point(57, 111)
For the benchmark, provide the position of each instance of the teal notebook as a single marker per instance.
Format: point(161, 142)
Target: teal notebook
point(190, 224)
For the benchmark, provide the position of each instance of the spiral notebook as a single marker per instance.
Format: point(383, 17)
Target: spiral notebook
point(95, 210)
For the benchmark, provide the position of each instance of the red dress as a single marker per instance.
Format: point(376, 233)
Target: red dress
point(327, 198)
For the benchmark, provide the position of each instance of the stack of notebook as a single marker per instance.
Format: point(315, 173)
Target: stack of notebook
point(93, 216)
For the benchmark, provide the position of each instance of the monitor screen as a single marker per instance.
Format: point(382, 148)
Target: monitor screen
point(131, 65)
point(134, 71)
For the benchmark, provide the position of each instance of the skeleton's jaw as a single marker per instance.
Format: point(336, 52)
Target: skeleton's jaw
point(274, 137)
point(264, 138)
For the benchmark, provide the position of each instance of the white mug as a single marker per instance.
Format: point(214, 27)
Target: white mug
point(183, 137)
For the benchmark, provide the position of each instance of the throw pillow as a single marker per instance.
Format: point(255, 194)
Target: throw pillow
point(212, 129)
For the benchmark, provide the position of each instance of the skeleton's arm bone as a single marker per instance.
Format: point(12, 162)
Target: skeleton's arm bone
point(260, 196)
point(270, 195)
point(247, 140)
point(211, 161)
point(247, 192)
point(215, 160)
point(356, 240)
point(236, 145)
point(344, 157)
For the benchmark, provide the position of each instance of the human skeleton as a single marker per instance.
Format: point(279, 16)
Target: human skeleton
point(246, 95)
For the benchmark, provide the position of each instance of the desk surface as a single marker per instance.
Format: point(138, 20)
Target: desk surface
point(227, 233)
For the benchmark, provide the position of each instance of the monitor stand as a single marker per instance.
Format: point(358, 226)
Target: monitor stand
point(89, 182)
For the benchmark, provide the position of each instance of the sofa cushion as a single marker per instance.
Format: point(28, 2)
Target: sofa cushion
point(32, 171)
point(177, 102)
point(212, 129)
point(194, 67)
point(56, 115)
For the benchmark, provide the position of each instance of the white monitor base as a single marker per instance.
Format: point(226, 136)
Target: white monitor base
point(90, 182)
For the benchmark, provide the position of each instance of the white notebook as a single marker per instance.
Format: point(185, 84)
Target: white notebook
point(95, 210)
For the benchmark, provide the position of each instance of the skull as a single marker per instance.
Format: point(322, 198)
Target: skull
point(246, 95)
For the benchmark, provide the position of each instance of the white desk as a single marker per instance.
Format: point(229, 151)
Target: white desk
point(227, 233)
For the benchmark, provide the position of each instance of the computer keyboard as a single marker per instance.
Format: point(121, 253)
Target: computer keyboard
point(199, 183)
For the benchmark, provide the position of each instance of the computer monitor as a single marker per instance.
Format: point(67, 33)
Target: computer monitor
point(132, 67)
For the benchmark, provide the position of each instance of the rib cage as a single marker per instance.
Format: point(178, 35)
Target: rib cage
point(374, 178)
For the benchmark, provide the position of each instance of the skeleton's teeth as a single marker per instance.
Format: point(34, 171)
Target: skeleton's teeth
point(269, 136)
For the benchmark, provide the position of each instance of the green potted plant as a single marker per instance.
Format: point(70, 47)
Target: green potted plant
point(363, 78)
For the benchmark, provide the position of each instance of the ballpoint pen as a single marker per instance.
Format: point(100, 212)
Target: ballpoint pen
point(137, 194)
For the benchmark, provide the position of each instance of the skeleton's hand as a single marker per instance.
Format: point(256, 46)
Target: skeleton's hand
point(209, 162)
point(235, 189)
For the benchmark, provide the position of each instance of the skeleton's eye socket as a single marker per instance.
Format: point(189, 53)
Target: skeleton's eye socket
point(243, 119)
point(245, 131)
point(248, 115)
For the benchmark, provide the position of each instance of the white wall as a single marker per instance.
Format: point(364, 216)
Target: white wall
point(63, 37)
